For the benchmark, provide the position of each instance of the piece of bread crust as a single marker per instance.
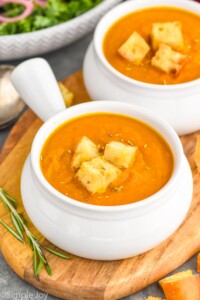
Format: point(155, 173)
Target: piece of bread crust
point(85, 151)
point(119, 154)
point(197, 153)
point(134, 49)
point(169, 33)
point(168, 60)
point(181, 286)
point(97, 174)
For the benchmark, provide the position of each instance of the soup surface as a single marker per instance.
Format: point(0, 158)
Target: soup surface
point(141, 21)
point(150, 171)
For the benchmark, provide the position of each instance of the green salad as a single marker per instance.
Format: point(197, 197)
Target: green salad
point(52, 13)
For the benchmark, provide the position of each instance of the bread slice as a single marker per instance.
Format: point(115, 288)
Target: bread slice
point(169, 33)
point(197, 153)
point(97, 174)
point(134, 49)
point(181, 286)
point(119, 154)
point(168, 60)
point(85, 151)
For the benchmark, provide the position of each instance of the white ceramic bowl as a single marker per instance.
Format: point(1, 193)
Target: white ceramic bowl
point(90, 231)
point(45, 40)
point(178, 104)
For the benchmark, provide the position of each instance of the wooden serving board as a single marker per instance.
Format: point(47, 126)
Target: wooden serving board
point(79, 278)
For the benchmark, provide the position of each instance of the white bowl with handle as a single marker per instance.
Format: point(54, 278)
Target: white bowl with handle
point(92, 231)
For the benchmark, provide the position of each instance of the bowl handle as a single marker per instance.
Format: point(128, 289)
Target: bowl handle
point(35, 82)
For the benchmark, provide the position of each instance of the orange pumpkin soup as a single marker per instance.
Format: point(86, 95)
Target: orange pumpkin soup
point(142, 22)
point(150, 171)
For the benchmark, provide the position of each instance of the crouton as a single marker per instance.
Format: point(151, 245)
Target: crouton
point(85, 151)
point(197, 153)
point(119, 154)
point(168, 60)
point(181, 286)
point(97, 174)
point(167, 33)
point(198, 263)
point(68, 96)
point(154, 298)
point(134, 49)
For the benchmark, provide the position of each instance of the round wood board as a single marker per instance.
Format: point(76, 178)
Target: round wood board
point(80, 278)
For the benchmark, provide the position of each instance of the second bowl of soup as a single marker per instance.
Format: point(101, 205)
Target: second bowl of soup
point(147, 53)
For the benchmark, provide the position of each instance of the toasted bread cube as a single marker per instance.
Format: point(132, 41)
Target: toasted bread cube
point(169, 33)
point(198, 263)
point(153, 298)
point(134, 49)
point(197, 153)
point(168, 60)
point(85, 151)
point(181, 286)
point(97, 174)
point(68, 96)
point(119, 154)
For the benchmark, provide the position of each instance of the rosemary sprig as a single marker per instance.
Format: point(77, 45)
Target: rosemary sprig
point(39, 258)
point(53, 251)
point(11, 231)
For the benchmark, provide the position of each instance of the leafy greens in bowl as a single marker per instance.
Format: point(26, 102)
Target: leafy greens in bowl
point(29, 43)
point(50, 13)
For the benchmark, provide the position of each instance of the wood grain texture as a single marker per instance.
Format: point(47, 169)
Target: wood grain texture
point(79, 278)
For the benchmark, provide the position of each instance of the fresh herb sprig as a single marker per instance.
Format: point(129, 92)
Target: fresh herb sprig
point(21, 230)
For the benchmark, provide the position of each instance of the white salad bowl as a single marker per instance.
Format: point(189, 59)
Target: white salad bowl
point(91, 231)
point(178, 104)
point(22, 45)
